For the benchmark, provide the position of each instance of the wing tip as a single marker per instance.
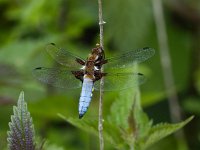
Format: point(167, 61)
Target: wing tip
point(38, 68)
point(148, 48)
point(52, 43)
point(140, 74)
point(150, 51)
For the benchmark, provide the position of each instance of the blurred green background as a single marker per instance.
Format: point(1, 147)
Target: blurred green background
point(26, 26)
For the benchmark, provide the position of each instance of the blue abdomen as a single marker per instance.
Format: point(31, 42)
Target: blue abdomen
point(86, 96)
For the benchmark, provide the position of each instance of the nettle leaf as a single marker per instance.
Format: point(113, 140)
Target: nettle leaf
point(87, 125)
point(111, 132)
point(160, 131)
point(121, 108)
point(134, 123)
point(126, 113)
point(21, 134)
point(142, 124)
point(128, 126)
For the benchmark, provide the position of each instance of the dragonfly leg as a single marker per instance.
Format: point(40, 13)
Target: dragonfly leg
point(99, 64)
point(98, 75)
point(78, 74)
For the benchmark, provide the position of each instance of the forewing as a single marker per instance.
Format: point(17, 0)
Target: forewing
point(129, 58)
point(62, 78)
point(64, 57)
point(120, 81)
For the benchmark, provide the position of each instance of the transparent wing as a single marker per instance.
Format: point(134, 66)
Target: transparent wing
point(120, 81)
point(57, 77)
point(129, 58)
point(64, 57)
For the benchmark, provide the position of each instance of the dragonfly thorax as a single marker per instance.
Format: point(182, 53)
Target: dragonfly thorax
point(92, 62)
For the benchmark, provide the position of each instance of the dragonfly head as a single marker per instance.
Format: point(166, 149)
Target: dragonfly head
point(97, 50)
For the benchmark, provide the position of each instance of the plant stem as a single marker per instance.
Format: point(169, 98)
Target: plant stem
point(175, 111)
point(100, 126)
point(165, 61)
point(101, 22)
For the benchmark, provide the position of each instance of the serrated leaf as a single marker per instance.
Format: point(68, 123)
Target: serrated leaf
point(123, 106)
point(126, 113)
point(138, 123)
point(142, 122)
point(121, 109)
point(111, 133)
point(162, 130)
point(21, 134)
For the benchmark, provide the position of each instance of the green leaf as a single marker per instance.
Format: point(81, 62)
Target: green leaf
point(162, 130)
point(21, 134)
point(121, 108)
point(142, 122)
point(111, 132)
point(126, 113)
point(138, 124)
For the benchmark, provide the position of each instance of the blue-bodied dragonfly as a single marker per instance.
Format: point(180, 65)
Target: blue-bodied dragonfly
point(87, 73)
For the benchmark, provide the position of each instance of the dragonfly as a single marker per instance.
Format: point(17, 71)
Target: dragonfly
point(77, 72)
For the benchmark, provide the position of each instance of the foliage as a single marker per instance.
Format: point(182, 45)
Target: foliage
point(162, 130)
point(21, 134)
point(127, 125)
point(28, 25)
